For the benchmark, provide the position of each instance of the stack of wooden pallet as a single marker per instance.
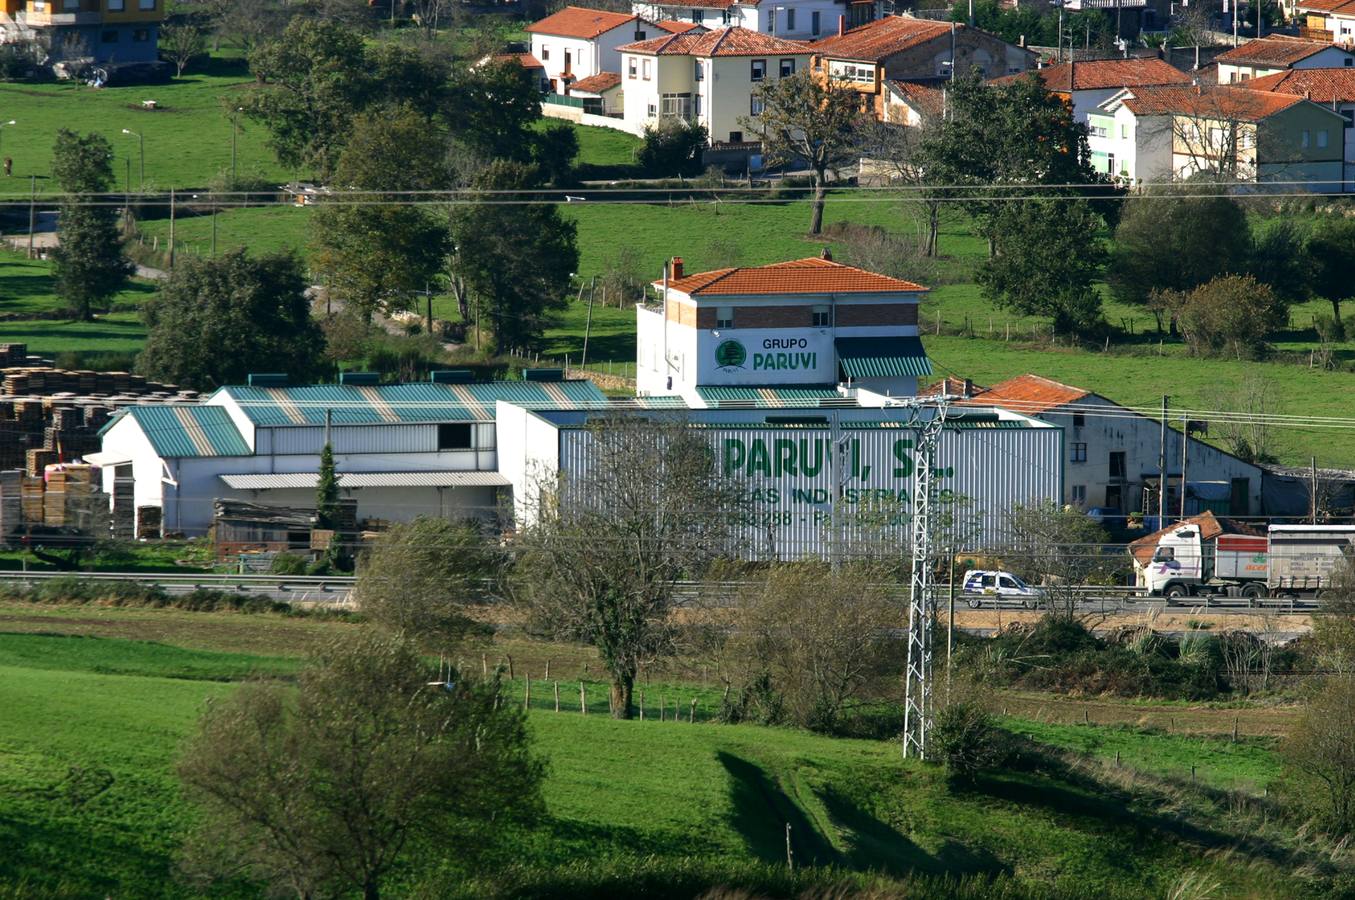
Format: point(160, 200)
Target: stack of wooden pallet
point(70, 496)
point(31, 492)
point(11, 501)
point(124, 507)
point(148, 521)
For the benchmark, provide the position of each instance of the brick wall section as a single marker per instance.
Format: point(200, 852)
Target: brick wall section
point(877, 314)
point(773, 316)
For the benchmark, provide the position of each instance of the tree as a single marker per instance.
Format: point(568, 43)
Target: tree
point(375, 251)
point(1058, 548)
point(327, 491)
point(1332, 251)
point(1005, 135)
point(181, 44)
point(1174, 243)
point(1334, 624)
point(1232, 315)
point(1320, 755)
point(1247, 435)
point(516, 261)
point(554, 150)
point(896, 151)
point(491, 110)
point(367, 765)
point(420, 579)
point(606, 548)
point(805, 119)
point(214, 321)
point(1048, 257)
point(1280, 260)
point(810, 639)
point(246, 23)
point(89, 267)
point(672, 147)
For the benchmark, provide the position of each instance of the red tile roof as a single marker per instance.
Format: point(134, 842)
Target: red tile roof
point(1330, 6)
point(673, 26)
point(925, 99)
point(575, 21)
point(724, 42)
point(1029, 394)
point(1276, 50)
point(1317, 85)
point(1099, 74)
point(1211, 102)
point(881, 39)
point(596, 84)
point(526, 60)
point(799, 276)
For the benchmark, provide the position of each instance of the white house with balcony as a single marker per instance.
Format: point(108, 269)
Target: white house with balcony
point(796, 19)
point(709, 79)
point(1277, 53)
point(1130, 147)
point(577, 43)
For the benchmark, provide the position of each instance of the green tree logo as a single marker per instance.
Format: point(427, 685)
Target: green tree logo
point(730, 355)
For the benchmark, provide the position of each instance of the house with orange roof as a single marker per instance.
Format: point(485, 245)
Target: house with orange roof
point(806, 325)
point(904, 48)
point(1327, 20)
point(1279, 53)
point(577, 43)
point(1158, 134)
point(1331, 88)
point(792, 19)
point(1113, 452)
point(1087, 84)
point(708, 78)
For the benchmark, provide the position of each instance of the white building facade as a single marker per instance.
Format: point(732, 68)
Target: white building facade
point(577, 43)
point(1130, 148)
point(793, 19)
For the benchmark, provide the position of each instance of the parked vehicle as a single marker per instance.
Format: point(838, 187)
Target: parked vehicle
point(1295, 561)
point(981, 584)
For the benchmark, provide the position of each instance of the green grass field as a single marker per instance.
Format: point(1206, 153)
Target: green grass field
point(89, 805)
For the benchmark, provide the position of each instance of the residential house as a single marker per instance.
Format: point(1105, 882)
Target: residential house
point(1112, 453)
point(1254, 136)
point(1327, 20)
point(795, 19)
point(112, 34)
point(912, 103)
point(709, 78)
point(1130, 147)
point(1279, 53)
point(535, 71)
point(902, 48)
point(1086, 85)
point(1332, 88)
point(805, 326)
point(601, 93)
point(577, 43)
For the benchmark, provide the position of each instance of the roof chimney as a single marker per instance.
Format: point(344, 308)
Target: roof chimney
point(969, 387)
point(1307, 94)
point(676, 268)
point(827, 253)
point(841, 25)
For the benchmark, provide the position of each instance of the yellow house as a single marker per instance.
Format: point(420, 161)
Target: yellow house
point(104, 32)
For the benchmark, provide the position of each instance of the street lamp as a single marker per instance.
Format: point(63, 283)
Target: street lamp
point(141, 142)
point(235, 132)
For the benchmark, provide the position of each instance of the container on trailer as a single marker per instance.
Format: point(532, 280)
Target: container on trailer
point(1242, 557)
point(1306, 557)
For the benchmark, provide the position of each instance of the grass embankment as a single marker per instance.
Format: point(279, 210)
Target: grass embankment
point(88, 804)
point(27, 289)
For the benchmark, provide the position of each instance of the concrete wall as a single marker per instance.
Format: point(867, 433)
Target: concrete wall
point(579, 117)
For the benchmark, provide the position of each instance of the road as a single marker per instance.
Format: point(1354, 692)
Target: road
point(300, 590)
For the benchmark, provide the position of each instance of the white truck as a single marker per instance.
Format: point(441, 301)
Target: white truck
point(1297, 561)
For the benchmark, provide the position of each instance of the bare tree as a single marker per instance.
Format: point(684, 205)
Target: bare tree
point(1058, 548)
point(181, 44)
point(1247, 432)
point(894, 151)
point(809, 641)
point(323, 793)
point(1334, 624)
point(610, 541)
point(1321, 756)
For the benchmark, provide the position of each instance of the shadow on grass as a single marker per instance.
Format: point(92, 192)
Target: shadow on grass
point(761, 813)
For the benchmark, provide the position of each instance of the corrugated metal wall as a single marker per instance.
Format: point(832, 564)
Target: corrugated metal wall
point(788, 478)
point(309, 440)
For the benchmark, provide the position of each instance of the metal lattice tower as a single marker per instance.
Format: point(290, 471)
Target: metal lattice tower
point(917, 704)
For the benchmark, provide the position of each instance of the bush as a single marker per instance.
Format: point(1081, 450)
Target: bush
point(966, 740)
point(672, 147)
point(288, 564)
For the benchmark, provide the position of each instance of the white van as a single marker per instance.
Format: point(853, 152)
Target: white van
point(994, 584)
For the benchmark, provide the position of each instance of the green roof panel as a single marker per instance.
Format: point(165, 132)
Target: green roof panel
point(188, 431)
point(882, 357)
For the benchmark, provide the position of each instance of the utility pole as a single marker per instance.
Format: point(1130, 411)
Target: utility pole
point(1185, 445)
point(1162, 469)
point(1312, 482)
point(917, 703)
point(171, 229)
point(32, 211)
point(587, 329)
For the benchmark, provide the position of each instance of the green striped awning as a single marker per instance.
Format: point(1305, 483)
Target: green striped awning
point(882, 357)
point(771, 396)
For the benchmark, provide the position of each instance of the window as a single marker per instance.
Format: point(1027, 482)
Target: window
point(696, 105)
point(771, 21)
point(454, 436)
point(822, 317)
point(1349, 116)
point(1347, 62)
point(1117, 468)
point(724, 317)
point(814, 26)
point(568, 60)
point(1110, 163)
point(759, 70)
point(675, 106)
point(698, 70)
point(109, 37)
point(736, 137)
point(644, 70)
point(755, 105)
point(653, 111)
point(71, 4)
point(1080, 494)
point(1004, 582)
point(1305, 139)
point(1322, 138)
point(1113, 497)
point(1078, 454)
point(787, 68)
point(1079, 420)
point(851, 72)
point(790, 20)
point(145, 4)
point(545, 51)
point(630, 67)
point(116, 5)
point(989, 581)
point(141, 34)
point(698, 16)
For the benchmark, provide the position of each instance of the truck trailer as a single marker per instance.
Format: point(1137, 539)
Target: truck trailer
point(1291, 561)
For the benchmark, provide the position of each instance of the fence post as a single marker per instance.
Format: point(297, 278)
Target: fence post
point(642, 706)
point(790, 863)
point(527, 693)
point(583, 700)
point(510, 668)
point(691, 717)
point(557, 696)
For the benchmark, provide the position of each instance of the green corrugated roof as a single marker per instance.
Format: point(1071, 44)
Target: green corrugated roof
point(882, 357)
point(190, 430)
point(772, 395)
point(395, 403)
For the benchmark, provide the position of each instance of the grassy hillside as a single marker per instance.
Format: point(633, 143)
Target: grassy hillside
point(88, 804)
